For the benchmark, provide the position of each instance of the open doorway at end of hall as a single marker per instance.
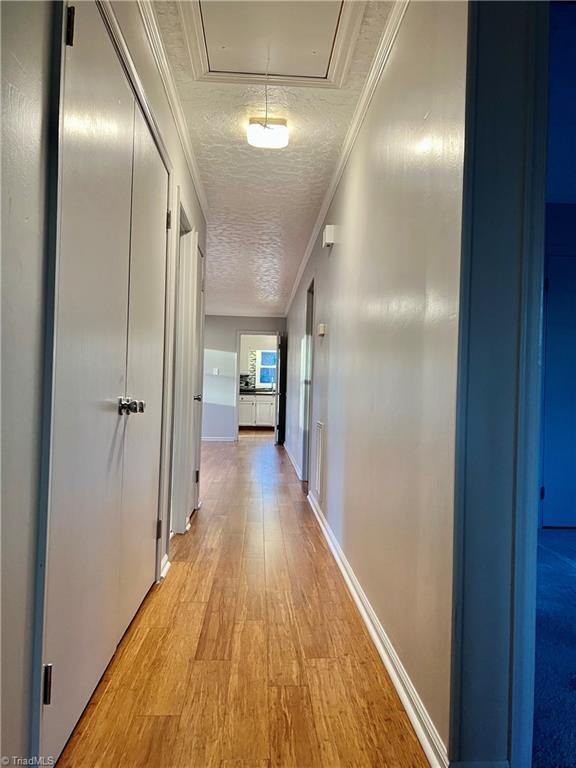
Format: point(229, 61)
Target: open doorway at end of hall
point(261, 386)
point(554, 742)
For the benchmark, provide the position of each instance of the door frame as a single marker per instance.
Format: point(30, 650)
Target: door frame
point(239, 334)
point(198, 384)
point(184, 229)
point(308, 381)
point(53, 189)
point(497, 471)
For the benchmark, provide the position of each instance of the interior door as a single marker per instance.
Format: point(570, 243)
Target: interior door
point(81, 597)
point(198, 375)
point(183, 451)
point(559, 444)
point(145, 356)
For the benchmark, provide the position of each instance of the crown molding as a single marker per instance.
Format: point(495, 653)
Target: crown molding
point(345, 37)
point(150, 22)
point(372, 80)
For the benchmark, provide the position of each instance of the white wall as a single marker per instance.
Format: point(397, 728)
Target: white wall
point(26, 44)
point(385, 374)
point(221, 351)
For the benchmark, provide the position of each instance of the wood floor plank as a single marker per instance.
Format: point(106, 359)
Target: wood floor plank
point(246, 735)
point(251, 605)
point(98, 739)
point(159, 606)
point(217, 632)
point(293, 738)
point(200, 738)
point(150, 741)
point(250, 653)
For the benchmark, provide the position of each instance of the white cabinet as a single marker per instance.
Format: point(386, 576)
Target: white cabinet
point(265, 411)
point(257, 411)
point(247, 411)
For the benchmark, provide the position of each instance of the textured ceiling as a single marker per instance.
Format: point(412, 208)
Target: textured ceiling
point(263, 203)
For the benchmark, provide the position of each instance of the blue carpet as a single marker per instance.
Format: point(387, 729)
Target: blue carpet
point(555, 695)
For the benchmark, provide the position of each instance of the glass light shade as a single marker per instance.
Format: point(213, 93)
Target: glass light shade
point(273, 135)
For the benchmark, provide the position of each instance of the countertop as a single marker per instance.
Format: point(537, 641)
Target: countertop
point(257, 392)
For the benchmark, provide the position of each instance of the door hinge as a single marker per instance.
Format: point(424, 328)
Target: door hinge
point(70, 14)
point(197, 475)
point(159, 529)
point(168, 219)
point(47, 684)
point(542, 493)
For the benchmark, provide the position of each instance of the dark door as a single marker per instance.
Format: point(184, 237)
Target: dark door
point(559, 418)
point(282, 382)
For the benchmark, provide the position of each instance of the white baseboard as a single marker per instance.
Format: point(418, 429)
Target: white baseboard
point(425, 729)
point(218, 439)
point(165, 566)
point(293, 462)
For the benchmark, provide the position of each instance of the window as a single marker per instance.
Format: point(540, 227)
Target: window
point(265, 369)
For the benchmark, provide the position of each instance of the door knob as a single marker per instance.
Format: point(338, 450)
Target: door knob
point(123, 405)
point(198, 398)
point(133, 406)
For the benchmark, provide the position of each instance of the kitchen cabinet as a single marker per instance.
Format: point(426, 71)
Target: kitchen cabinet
point(247, 411)
point(265, 411)
point(257, 411)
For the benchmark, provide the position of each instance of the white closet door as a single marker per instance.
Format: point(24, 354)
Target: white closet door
point(81, 606)
point(183, 453)
point(144, 373)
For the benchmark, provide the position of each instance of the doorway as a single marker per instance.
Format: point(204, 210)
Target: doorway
point(258, 385)
point(188, 378)
point(308, 372)
point(554, 739)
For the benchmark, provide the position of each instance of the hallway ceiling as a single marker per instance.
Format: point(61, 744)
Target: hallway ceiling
point(263, 204)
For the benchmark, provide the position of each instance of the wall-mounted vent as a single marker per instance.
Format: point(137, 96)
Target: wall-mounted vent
point(319, 460)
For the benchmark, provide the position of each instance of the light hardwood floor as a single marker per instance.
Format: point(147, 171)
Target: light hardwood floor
point(251, 653)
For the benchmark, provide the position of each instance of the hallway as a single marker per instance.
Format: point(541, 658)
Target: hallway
point(251, 652)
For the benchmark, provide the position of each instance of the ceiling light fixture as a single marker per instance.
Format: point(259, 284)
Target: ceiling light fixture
point(267, 132)
point(270, 133)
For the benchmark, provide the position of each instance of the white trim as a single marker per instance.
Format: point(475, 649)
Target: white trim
point(345, 38)
point(149, 20)
point(218, 439)
point(239, 334)
point(319, 472)
point(380, 59)
point(425, 729)
point(253, 313)
point(293, 462)
point(165, 567)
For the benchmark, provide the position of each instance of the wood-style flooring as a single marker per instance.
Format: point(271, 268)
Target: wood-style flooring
point(250, 653)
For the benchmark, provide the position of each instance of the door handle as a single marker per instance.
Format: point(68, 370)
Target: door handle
point(127, 405)
point(198, 398)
